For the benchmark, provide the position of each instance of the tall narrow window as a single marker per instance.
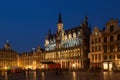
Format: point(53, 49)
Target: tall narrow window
point(95, 56)
point(92, 49)
point(95, 48)
point(111, 38)
point(111, 28)
point(105, 39)
point(99, 48)
point(118, 56)
point(105, 49)
point(92, 42)
point(92, 57)
point(118, 37)
point(98, 40)
point(111, 49)
point(118, 47)
point(99, 57)
point(95, 40)
point(113, 57)
point(110, 56)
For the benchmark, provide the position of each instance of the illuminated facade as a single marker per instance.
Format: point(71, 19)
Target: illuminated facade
point(69, 47)
point(105, 51)
point(111, 46)
point(96, 51)
point(31, 60)
point(66, 38)
point(8, 57)
point(28, 60)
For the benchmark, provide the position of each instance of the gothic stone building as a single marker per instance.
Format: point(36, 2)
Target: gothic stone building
point(69, 48)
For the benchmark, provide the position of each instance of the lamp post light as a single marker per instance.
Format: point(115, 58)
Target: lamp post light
point(5, 67)
point(74, 66)
point(42, 67)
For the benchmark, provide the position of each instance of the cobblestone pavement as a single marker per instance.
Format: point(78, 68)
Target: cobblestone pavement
point(52, 75)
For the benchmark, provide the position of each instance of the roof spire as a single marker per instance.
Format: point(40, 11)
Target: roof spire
point(7, 45)
point(59, 18)
point(86, 19)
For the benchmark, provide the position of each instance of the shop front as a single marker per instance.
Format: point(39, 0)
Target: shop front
point(107, 66)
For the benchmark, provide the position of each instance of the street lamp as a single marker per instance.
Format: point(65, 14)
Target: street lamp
point(73, 65)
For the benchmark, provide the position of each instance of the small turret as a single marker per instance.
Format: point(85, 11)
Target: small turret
point(38, 48)
point(7, 46)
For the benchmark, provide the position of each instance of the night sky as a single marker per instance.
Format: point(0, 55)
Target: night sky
point(26, 22)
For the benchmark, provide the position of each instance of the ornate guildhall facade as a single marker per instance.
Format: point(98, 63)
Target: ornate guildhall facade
point(105, 47)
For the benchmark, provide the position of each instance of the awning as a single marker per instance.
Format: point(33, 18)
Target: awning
point(48, 62)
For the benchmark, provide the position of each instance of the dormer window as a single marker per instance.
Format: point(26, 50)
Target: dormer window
point(111, 28)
